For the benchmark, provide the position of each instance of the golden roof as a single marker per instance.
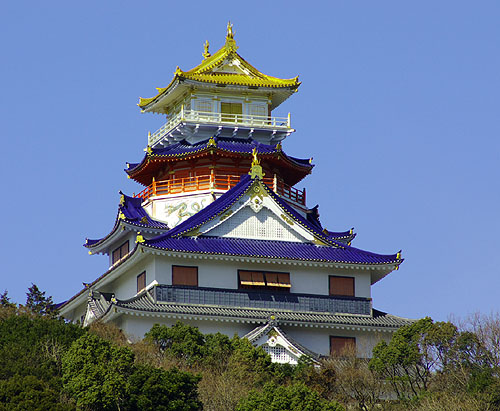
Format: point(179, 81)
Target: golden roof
point(226, 67)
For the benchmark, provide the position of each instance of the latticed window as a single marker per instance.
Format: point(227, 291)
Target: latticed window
point(204, 105)
point(342, 286)
point(182, 275)
point(279, 354)
point(120, 252)
point(259, 110)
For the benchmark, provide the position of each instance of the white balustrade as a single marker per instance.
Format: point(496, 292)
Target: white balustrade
point(209, 117)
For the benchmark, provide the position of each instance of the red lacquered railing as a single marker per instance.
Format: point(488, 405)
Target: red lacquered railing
point(217, 182)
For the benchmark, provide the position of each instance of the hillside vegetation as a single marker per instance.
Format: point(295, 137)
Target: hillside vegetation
point(47, 364)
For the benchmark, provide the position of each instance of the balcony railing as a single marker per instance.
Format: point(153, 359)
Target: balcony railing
point(208, 117)
point(217, 182)
point(264, 300)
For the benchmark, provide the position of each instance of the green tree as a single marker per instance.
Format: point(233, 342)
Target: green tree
point(5, 300)
point(413, 354)
point(95, 373)
point(156, 389)
point(295, 397)
point(181, 341)
point(38, 303)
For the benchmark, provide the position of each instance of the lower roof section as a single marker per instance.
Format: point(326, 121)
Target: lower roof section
point(144, 304)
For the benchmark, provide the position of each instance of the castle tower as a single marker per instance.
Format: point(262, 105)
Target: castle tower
point(220, 237)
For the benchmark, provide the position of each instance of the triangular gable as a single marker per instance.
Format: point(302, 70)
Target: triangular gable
point(256, 213)
point(278, 344)
point(256, 216)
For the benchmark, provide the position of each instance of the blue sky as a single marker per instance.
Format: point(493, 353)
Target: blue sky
point(399, 106)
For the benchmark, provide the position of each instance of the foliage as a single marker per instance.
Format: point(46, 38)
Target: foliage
point(37, 303)
point(156, 389)
point(5, 300)
point(95, 373)
point(295, 397)
point(413, 353)
point(29, 393)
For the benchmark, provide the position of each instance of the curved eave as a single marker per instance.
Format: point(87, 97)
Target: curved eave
point(143, 304)
point(98, 246)
point(200, 74)
point(386, 267)
point(206, 150)
point(109, 275)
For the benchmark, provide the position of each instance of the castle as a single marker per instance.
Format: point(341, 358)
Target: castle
point(221, 239)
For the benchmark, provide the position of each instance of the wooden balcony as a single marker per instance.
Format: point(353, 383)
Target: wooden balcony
point(217, 182)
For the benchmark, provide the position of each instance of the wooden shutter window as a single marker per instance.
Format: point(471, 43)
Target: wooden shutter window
point(141, 281)
point(340, 346)
point(342, 286)
point(258, 278)
point(245, 277)
point(184, 275)
point(284, 280)
point(120, 252)
point(272, 280)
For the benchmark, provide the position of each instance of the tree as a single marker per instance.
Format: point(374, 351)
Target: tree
point(5, 300)
point(156, 389)
point(37, 303)
point(295, 397)
point(413, 354)
point(95, 373)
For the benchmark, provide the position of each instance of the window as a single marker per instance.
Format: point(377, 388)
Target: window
point(120, 252)
point(182, 275)
point(340, 346)
point(141, 281)
point(264, 280)
point(231, 111)
point(343, 286)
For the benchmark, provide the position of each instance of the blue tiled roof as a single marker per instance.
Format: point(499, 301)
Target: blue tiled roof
point(230, 197)
point(222, 144)
point(269, 249)
point(134, 214)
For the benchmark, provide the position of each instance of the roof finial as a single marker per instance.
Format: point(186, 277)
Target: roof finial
point(256, 168)
point(230, 43)
point(230, 33)
point(206, 54)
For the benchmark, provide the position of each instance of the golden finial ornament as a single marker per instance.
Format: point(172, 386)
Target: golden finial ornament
point(230, 33)
point(212, 142)
point(230, 43)
point(206, 54)
point(139, 238)
point(256, 168)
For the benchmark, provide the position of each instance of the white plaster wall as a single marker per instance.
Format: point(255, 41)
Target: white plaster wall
point(224, 274)
point(135, 327)
point(314, 280)
point(125, 286)
point(318, 339)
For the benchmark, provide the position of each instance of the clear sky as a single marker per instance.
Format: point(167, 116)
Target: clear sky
point(399, 106)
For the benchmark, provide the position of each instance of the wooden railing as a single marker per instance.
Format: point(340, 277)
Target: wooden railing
point(216, 182)
point(218, 118)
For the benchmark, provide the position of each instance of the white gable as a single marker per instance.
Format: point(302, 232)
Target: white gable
point(264, 225)
point(257, 216)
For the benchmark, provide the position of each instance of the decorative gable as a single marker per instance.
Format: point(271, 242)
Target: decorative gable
point(262, 225)
point(256, 215)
